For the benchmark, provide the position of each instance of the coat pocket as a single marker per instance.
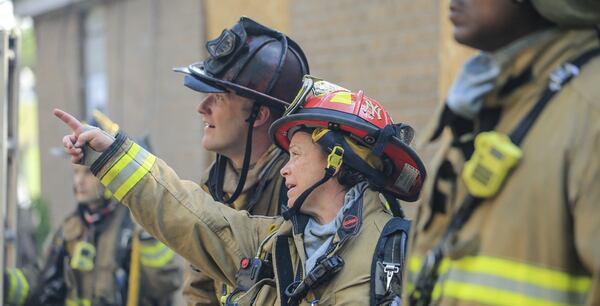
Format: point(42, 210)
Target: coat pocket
point(263, 292)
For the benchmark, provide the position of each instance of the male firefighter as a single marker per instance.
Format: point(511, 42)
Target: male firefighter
point(510, 216)
point(98, 257)
point(250, 76)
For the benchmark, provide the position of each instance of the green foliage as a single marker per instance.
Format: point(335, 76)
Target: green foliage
point(41, 210)
point(28, 47)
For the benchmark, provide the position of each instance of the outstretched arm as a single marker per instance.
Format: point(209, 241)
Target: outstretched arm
point(177, 212)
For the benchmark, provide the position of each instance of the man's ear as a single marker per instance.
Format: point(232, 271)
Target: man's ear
point(264, 116)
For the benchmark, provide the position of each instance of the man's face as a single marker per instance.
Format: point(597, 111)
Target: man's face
point(224, 115)
point(489, 24)
point(87, 187)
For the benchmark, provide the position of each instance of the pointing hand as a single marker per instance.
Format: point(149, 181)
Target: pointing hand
point(83, 138)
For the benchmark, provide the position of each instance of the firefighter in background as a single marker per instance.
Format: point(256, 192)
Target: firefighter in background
point(97, 257)
point(511, 214)
point(251, 74)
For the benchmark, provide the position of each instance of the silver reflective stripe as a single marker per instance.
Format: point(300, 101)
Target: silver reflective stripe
point(129, 169)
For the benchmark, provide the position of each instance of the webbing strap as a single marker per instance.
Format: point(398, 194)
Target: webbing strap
point(216, 186)
point(428, 275)
point(288, 214)
point(284, 269)
point(390, 254)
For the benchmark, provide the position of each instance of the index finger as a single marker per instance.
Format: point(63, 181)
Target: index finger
point(72, 122)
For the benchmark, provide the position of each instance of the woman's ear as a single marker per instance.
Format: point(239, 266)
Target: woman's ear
point(264, 116)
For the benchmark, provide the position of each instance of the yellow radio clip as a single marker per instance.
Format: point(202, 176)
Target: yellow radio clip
point(495, 155)
point(83, 256)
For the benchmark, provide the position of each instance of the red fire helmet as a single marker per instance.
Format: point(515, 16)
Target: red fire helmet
point(321, 104)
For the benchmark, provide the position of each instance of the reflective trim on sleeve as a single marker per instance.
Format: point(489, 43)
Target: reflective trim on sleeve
point(128, 170)
point(156, 255)
point(19, 287)
point(496, 281)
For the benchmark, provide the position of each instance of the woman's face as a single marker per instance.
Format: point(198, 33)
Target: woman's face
point(305, 167)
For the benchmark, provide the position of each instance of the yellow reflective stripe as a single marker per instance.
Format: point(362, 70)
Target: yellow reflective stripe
point(151, 249)
point(12, 299)
point(128, 171)
point(342, 97)
point(158, 260)
point(70, 302)
point(414, 267)
point(19, 287)
point(499, 281)
point(78, 302)
point(120, 165)
point(24, 288)
point(525, 273)
point(492, 296)
point(135, 177)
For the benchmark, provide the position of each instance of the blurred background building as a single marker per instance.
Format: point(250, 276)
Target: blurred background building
point(117, 56)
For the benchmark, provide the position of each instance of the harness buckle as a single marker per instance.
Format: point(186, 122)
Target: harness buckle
point(390, 269)
point(561, 75)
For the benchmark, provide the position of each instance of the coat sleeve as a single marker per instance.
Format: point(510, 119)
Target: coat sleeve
point(583, 192)
point(211, 236)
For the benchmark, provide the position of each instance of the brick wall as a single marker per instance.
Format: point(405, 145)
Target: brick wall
point(388, 48)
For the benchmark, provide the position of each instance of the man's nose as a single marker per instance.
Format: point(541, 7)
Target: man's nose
point(204, 106)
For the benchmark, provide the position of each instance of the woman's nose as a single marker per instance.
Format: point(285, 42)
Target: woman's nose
point(285, 171)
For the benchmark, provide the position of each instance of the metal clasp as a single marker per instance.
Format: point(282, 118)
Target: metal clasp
point(561, 75)
point(390, 269)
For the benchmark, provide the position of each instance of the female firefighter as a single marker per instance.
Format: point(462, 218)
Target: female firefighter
point(316, 253)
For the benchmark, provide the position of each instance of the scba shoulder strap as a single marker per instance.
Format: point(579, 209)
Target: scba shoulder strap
point(389, 263)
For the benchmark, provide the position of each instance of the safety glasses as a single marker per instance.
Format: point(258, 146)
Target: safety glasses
point(311, 87)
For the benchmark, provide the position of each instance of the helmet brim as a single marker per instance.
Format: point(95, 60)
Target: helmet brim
point(197, 84)
point(201, 82)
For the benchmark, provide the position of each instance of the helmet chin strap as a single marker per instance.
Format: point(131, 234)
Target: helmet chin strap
point(334, 161)
point(222, 163)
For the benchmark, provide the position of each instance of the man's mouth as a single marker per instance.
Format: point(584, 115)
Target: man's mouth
point(208, 125)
